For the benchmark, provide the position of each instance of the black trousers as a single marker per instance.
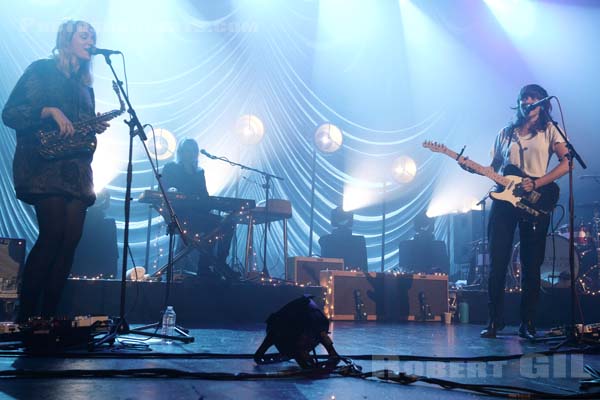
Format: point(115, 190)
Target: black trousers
point(60, 221)
point(504, 218)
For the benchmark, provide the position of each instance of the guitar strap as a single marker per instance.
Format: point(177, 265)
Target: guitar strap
point(511, 134)
point(510, 131)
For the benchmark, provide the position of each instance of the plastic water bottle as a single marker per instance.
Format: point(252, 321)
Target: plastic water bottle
point(168, 324)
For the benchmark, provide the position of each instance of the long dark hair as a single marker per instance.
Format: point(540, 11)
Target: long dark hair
point(187, 143)
point(536, 92)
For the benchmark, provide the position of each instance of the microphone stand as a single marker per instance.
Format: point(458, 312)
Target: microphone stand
point(571, 334)
point(383, 216)
point(137, 129)
point(485, 247)
point(266, 186)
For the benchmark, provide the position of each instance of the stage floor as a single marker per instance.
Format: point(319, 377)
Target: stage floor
point(227, 349)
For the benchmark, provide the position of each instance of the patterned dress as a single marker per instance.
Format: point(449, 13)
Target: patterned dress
point(44, 85)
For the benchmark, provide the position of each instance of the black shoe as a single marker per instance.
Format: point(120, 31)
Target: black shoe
point(489, 332)
point(527, 331)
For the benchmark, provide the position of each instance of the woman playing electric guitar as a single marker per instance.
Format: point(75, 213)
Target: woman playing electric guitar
point(527, 144)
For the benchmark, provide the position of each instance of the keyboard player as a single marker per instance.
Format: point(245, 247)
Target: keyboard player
point(187, 178)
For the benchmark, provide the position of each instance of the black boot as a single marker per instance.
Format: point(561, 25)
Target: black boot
point(490, 331)
point(527, 330)
point(496, 321)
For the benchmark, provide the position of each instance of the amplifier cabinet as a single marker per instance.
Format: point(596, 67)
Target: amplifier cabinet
point(305, 270)
point(415, 297)
point(353, 296)
point(12, 258)
point(370, 296)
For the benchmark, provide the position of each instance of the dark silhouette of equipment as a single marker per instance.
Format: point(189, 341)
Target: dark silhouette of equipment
point(341, 243)
point(426, 257)
point(97, 254)
point(423, 254)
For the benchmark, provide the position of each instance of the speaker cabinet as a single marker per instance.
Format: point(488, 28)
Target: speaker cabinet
point(353, 296)
point(415, 297)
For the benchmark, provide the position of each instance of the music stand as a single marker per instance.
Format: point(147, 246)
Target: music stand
point(137, 129)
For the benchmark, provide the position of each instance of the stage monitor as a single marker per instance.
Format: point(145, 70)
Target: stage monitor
point(352, 248)
point(423, 256)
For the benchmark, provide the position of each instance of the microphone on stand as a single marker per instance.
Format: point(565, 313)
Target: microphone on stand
point(528, 107)
point(94, 51)
point(207, 154)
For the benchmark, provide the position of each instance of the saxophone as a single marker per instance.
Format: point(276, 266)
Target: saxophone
point(53, 146)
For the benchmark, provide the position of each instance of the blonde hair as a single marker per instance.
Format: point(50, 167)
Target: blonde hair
point(62, 54)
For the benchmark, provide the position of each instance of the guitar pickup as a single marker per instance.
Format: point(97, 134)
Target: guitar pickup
point(528, 209)
point(533, 197)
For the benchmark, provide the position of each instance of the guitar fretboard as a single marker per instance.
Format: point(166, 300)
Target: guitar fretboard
point(480, 169)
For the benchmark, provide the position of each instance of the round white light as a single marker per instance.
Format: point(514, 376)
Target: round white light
point(404, 169)
point(328, 138)
point(165, 141)
point(250, 129)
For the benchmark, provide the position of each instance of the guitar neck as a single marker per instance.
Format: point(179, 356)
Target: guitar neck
point(480, 169)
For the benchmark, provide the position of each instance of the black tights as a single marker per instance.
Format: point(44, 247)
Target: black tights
point(60, 222)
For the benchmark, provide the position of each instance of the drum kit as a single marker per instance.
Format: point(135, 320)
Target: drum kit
point(555, 272)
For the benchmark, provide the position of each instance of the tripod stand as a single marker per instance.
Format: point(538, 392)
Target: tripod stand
point(137, 129)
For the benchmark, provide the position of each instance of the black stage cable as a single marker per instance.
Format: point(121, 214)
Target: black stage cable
point(115, 353)
point(593, 382)
point(349, 370)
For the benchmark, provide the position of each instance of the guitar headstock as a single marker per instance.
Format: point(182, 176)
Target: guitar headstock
point(435, 146)
point(116, 89)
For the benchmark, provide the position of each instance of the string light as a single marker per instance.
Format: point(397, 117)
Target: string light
point(585, 282)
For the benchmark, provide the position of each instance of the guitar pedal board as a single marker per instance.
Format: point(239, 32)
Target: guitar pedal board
point(52, 335)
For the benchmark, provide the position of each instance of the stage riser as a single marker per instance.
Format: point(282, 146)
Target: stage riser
point(194, 302)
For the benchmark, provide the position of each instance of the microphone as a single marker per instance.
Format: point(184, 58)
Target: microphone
point(94, 51)
point(527, 108)
point(207, 154)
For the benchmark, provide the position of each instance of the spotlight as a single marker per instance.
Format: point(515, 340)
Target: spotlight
point(328, 138)
point(250, 129)
point(165, 144)
point(404, 169)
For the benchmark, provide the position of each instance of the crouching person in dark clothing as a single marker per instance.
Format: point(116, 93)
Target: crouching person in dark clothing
point(295, 330)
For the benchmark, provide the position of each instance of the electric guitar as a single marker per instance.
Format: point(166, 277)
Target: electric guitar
point(535, 203)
